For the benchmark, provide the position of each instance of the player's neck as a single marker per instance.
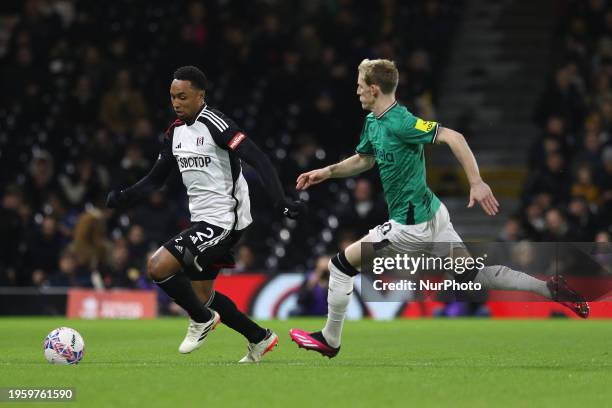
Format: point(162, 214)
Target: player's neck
point(190, 121)
point(383, 103)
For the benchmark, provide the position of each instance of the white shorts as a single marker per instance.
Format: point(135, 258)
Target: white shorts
point(439, 230)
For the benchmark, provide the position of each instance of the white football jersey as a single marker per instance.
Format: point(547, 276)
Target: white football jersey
point(211, 172)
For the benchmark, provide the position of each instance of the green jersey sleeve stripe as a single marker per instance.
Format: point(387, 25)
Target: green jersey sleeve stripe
point(433, 140)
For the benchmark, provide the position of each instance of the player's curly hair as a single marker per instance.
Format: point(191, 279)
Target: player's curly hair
point(194, 75)
point(381, 72)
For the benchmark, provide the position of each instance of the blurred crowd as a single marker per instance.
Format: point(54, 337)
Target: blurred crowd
point(568, 195)
point(85, 101)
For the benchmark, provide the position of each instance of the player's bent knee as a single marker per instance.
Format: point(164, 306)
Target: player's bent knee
point(157, 269)
point(152, 268)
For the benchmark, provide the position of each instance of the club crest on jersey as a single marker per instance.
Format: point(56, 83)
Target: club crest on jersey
point(200, 141)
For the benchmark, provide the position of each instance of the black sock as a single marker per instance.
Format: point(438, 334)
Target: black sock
point(235, 319)
point(178, 287)
point(319, 337)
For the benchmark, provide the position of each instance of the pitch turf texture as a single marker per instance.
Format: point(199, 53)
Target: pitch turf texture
point(394, 363)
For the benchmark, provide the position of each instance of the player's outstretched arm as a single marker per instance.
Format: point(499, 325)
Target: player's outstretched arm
point(354, 165)
point(480, 192)
point(149, 183)
point(252, 154)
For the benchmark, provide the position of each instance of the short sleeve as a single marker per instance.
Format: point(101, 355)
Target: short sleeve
point(364, 146)
point(414, 130)
point(226, 134)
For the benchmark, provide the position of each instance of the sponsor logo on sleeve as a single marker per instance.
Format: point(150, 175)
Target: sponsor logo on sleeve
point(424, 126)
point(236, 140)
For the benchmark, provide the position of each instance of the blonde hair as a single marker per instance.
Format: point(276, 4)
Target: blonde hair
point(381, 72)
point(89, 242)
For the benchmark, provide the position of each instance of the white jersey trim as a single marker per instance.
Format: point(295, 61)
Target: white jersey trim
point(219, 123)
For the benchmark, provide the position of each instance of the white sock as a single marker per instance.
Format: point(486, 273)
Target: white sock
point(339, 296)
point(500, 277)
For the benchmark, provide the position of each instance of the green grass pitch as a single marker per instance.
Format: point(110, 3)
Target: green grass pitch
point(394, 363)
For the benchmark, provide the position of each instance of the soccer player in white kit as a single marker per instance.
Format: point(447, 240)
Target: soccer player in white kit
point(207, 147)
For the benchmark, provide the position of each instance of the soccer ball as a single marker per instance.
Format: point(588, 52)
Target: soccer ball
point(64, 346)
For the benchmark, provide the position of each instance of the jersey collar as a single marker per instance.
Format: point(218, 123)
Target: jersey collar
point(387, 110)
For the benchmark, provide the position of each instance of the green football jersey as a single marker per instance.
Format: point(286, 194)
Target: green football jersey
point(396, 139)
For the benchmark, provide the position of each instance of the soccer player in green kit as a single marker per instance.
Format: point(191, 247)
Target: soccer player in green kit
point(394, 139)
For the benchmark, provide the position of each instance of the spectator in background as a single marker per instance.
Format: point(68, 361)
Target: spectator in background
point(581, 219)
point(40, 182)
point(591, 150)
point(584, 187)
point(11, 231)
point(81, 184)
point(512, 231)
point(534, 222)
point(603, 237)
point(157, 218)
point(593, 123)
point(557, 227)
point(524, 256)
point(554, 140)
point(196, 30)
point(604, 182)
point(122, 104)
point(43, 248)
point(133, 166)
point(94, 67)
point(305, 154)
point(564, 96)
point(246, 260)
point(552, 180)
point(66, 218)
point(605, 111)
point(84, 101)
point(145, 138)
point(417, 86)
point(18, 75)
point(68, 273)
point(90, 245)
point(363, 210)
point(121, 271)
point(136, 244)
point(601, 86)
point(312, 295)
point(604, 175)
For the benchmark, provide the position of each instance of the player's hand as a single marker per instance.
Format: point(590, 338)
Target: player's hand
point(481, 193)
point(115, 199)
point(311, 178)
point(293, 209)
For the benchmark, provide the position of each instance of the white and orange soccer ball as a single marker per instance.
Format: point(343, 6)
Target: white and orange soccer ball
point(64, 346)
